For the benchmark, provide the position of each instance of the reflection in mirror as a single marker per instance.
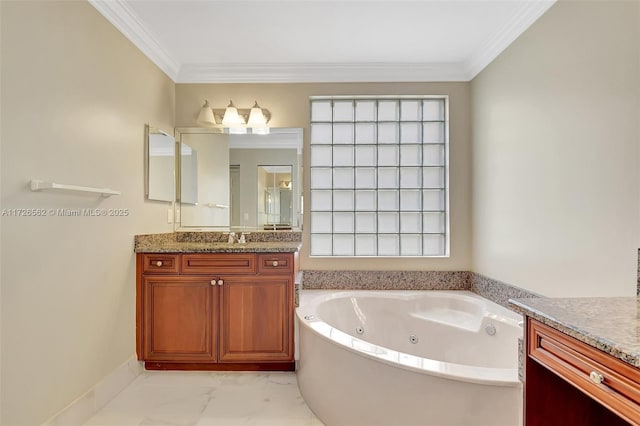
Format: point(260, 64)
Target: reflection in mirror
point(204, 180)
point(189, 170)
point(160, 183)
point(225, 184)
point(274, 197)
point(248, 193)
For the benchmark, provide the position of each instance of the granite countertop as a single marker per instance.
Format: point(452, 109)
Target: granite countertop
point(610, 324)
point(216, 247)
point(216, 242)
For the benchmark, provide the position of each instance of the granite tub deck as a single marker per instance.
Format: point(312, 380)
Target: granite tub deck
point(494, 290)
point(610, 324)
point(216, 242)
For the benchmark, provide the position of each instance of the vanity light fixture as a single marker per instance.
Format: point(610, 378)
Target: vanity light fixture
point(205, 116)
point(257, 121)
point(236, 120)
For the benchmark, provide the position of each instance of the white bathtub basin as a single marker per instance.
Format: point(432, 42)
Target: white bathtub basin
point(366, 357)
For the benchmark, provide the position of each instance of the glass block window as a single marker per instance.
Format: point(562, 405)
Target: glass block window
point(379, 176)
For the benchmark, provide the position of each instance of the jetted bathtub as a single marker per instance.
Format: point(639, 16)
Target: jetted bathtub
point(408, 358)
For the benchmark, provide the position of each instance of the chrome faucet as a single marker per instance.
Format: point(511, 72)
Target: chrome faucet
point(237, 238)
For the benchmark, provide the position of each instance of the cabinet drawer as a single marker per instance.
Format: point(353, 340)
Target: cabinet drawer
point(160, 263)
point(610, 381)
point(219, 263)
point(275, 263)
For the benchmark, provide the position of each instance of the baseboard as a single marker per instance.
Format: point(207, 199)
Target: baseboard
point(222, 366)
point(86, 406)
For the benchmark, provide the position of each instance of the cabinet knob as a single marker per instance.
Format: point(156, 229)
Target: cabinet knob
point(159, 263)
point(220, 282)
point(213, 282)
point(274, 263)
point(596, 377)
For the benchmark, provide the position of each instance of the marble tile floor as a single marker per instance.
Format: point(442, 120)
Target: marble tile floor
point(194, 398)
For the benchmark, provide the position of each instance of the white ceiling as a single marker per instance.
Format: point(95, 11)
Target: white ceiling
point(218, 41)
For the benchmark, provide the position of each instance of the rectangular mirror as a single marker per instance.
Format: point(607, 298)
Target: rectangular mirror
point(160, 165)
point(220, 186)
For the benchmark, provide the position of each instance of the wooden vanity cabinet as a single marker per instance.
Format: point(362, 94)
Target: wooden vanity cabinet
point(568, 382)
point(216, 311)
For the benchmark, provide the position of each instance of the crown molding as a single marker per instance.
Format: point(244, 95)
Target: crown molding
point(319, 72)
point(527, 15)
point(124, 19)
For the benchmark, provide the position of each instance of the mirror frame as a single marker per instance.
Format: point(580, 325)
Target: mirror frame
point(179, 131)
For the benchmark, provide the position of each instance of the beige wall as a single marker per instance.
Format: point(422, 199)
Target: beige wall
point(75, 97)
point(555, 154)
point(289, 107)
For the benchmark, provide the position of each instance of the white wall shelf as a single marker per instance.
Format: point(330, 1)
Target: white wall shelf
point(39, 185)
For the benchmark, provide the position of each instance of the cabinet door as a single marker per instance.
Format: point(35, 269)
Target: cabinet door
point(180, 319)
point(256, 322)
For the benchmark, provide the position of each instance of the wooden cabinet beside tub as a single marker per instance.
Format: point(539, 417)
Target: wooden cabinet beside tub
point(568, 382)
point(215, 311)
